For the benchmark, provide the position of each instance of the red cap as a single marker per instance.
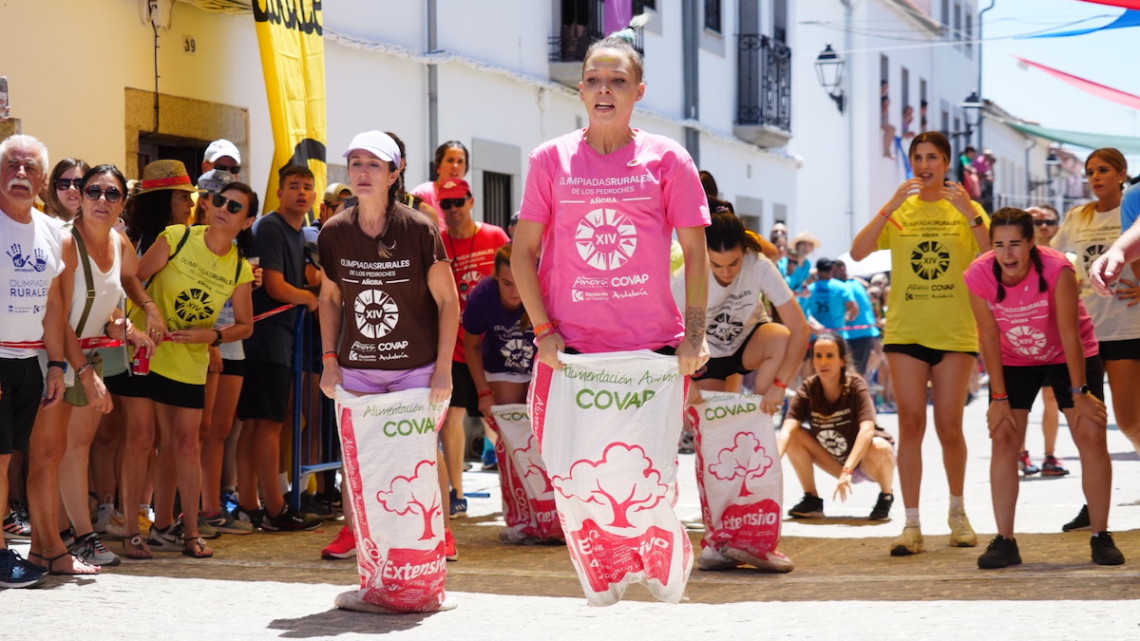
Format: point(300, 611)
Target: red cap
point(455, 188)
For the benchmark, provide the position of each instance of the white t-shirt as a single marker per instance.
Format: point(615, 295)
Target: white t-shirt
point(1088, 239)
point(735, 309)
point(32, 259)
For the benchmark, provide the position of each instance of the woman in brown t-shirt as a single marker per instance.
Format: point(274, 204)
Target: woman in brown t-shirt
point(842, 439)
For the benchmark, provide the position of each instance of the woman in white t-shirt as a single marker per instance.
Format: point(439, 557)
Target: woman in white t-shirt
point(1088, 231)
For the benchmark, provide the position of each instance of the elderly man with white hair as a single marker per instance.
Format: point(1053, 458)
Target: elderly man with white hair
point(34, 311)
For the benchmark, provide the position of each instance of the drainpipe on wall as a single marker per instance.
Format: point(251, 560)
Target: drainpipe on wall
point(690, 47)
point(433, 87)
point(849, 89)
point(981, 96)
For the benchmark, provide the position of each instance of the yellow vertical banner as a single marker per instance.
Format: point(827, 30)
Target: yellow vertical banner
point(290, 34)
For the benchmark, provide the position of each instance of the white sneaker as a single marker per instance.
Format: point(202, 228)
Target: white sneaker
point(90, 549)
point(961, 534)
point(103, 516)
point(712, 559)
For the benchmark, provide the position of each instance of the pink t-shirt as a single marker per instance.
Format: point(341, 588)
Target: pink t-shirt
point(427, 192)
point(472, 260)
point(609, 221)
point(1027, 318)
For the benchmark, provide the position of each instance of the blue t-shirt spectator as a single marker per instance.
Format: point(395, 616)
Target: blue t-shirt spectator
point(1130, 207)
point(828, 302)
point(507, 348)
point(866, 312)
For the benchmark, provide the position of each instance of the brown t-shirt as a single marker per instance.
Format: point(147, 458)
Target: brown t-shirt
point(835, 425)
point(390, 320)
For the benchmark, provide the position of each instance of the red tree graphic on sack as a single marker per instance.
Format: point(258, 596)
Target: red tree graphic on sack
point(624, 479)
point(746, 459)
point(411, 495)
point(531, 464)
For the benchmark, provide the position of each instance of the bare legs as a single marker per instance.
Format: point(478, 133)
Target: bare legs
point(805, 453)
point(1122, 377)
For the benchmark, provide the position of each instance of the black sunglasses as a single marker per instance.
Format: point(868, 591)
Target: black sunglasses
point(233, 169)
point(451, 203)
point(112, 194)
point(232, 206)
point(1043, 223)
point(63, 184)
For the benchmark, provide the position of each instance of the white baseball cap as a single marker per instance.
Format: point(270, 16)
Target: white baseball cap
point(375, 142)
point(220, 148)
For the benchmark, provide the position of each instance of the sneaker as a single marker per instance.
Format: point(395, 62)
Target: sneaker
point(1104, 551)
point(205, 531)
point(882, 509)
point(490, 460)
point(961, 534)
point(256, 518)
point(16, 525)
point(1079, 522)
point(342, 547)
point(164, 540)
point(1000, 553)
point(1053, 467)
point(773, 561)
point(89, 548)
point(16, 573)
point(353, 600)
point(229, 501)
point(1025, 464)
point(688, 442)
point(711, 559)
point(810, 507)
point(289, 520)
point(103, 515)
point(317, 506)
point(116, 527)
point(458, 506)
point(226, 524)
point(908, 543)
point(450, 552)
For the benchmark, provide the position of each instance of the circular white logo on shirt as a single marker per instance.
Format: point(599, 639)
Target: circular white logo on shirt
point(1091, 253)
point(724, 328)
point(606, 239)
point(833, 441)
point(376, 313)
point(467, 282)
point(1026, 340)
point(518, 354)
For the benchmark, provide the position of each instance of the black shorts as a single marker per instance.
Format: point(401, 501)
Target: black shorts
point(21, 389)
point(463, 392)
point(721, 367)
point(1022, 383)
point(235, 367)
point(1128, 350)
point(265, 395)
point(119, 384)
point(928, 355)
point(160, 389)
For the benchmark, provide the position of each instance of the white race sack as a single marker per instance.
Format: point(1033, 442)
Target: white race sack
point(528, 496)
point(608, 425)
point(389, 449)
point(738, 474)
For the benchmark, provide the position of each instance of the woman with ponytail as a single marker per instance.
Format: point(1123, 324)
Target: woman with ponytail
point(1088, 231)
point(1034, 330)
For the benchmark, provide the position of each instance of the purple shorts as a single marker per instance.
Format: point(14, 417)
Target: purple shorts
point(381, 381)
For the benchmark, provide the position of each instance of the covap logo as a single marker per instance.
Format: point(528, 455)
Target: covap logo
point(606, 239)
point(929, 260)
point(376, 313)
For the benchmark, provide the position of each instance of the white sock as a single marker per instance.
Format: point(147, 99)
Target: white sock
point(957, 504)
point(912, 517)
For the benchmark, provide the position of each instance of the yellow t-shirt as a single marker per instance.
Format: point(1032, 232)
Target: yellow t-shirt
point(190, 292)
point(929, 304)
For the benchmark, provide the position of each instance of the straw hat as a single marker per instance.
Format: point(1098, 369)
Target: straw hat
point(807, 237)
point(165, 174)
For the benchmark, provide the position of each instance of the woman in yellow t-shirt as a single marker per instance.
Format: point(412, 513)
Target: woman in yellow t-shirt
point(194, 269)
point(934, 231)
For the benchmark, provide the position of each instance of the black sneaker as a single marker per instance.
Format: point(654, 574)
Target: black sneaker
point(810, 507)
point(882, 509)
point(1104, 551)
point(291, 521)
point(256, 518)
point(1000, 553)
point(317, 505)
point(1081, 522)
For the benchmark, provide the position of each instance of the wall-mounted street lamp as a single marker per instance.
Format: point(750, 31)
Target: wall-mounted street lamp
point(829, 73)
point(972, 108)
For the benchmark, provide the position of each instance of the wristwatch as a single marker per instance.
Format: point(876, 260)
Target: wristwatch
point(978, 220)
point(1083, 389)
point(62, 365)
point(218, 340)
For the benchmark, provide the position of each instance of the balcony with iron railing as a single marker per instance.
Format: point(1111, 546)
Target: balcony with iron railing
point(568, 47)
point(764, 90)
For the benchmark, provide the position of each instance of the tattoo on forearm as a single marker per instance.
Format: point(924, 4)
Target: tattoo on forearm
point(694, 324)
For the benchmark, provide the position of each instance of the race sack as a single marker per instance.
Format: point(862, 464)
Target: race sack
point(738, 475)
point(608, 425)
point(389, 449)
point(528, 496)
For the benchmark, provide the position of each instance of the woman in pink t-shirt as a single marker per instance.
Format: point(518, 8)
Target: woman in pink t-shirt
point(1034, 330)
point(451, 163)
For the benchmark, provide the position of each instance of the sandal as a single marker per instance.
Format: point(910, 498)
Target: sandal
point(78, 567)
point(136, 548)
point(196, 548)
